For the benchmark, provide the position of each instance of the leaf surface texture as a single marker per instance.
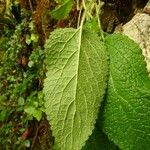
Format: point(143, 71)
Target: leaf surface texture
point(75, 85)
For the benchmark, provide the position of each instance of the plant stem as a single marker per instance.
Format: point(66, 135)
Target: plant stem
point(98, 8)
point(81, 17)
point(78, 5)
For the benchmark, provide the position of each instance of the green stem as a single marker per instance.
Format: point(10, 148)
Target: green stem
point(83, 4)
point(79, 17)
point(82, 19)
point(78, 5)
point(98, 8)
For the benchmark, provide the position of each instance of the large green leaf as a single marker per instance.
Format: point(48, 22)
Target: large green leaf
point(75, 85)
point(127, 107)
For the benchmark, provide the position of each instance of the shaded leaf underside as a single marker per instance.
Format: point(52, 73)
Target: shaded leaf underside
point(99, 141)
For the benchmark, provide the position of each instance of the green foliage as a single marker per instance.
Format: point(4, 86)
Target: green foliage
point(69, 99)
point(73, 91)
point(75, 58)
point(75, 85)
point(62, 10)
point(20, 86)
point(127, 108)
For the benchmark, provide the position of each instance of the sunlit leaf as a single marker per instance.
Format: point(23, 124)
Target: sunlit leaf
point(75, 85)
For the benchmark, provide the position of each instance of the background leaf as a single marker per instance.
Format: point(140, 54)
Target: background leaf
point(75, 85)
point(62, 10)
point(127, 109)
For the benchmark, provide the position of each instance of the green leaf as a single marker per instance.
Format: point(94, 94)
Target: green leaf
point(99, 141)
point(29, 109)
point(21, 101)
point(3, 115)
point(75, 85)
point(38, 114)
point(30, 63)
point(26, 143)
point(28, 39)
point(62, 11)
point(34, 37)
point(127, 109)
point(33, 112)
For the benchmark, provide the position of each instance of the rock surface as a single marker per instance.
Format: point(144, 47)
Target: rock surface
point(138, 29)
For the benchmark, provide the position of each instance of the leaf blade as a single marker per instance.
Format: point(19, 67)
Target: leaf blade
point(127, 107)
point(76, 87)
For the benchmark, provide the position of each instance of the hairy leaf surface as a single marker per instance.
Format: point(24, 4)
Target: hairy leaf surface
point(75, 85)
point(127, 108)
